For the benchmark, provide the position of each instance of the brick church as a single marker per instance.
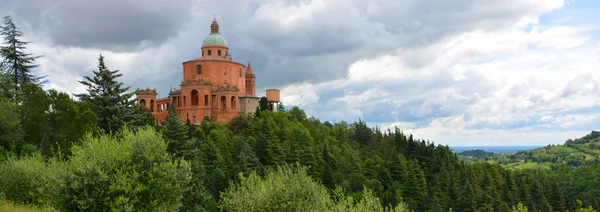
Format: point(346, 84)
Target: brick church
point(213, 86)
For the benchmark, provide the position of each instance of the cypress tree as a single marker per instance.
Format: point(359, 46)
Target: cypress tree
point(109, 99)
point(15, 61)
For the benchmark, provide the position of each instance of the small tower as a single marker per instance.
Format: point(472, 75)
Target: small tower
point(147, 98)
point(250, 81)
point(273, 97)
point(214, 26)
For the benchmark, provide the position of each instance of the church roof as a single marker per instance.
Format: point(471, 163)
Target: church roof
point(214, 39)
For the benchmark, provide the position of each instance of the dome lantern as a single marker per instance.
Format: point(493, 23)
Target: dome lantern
point(214, 38)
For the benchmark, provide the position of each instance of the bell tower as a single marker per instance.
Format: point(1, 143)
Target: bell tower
point(250, 81)
point(214, 27)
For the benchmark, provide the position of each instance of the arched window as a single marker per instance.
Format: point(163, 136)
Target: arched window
point(240, 72)
point(198, 69)
point(219, 52)
point(223, 102)
point(143, 102)
point(209, 52)
point(151, 105)
point(202, 53)
point(195, 97)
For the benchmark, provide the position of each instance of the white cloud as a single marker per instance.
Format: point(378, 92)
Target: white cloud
point(530, 81)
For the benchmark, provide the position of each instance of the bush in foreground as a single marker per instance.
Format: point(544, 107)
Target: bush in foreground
point(289, 188)
point(134, 172)
point(131, 173)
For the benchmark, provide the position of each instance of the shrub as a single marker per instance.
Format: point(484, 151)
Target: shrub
point(27, 180)
point(289, 188)
point(284, 189)
point(131, 173)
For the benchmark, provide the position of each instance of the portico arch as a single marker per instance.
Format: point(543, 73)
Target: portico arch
point(194, 97)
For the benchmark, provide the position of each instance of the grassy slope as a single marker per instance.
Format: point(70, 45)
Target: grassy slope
point(8, 206)
point(581, 151)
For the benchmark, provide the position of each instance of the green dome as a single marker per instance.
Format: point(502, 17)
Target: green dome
point(214, 39)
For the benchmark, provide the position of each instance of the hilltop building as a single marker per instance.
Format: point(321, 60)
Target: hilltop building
point(213, 86)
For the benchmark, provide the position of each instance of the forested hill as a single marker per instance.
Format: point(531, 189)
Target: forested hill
point(581, 151)
point(477, 154)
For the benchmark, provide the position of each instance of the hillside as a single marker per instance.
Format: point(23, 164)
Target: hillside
point(476, 154)
point(578, 152)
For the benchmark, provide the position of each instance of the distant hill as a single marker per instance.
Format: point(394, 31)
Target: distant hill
point(581, 151)
point(477, 153)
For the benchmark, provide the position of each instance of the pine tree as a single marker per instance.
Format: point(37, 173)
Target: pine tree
point(466, 197)
point(110, 100)
point(245, 158)
point(556, 197)
point(176, 133)
point(15, 61)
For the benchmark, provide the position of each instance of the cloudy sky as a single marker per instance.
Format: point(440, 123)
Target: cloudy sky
point(457, 72)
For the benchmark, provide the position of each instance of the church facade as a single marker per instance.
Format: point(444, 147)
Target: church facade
point(213, 86)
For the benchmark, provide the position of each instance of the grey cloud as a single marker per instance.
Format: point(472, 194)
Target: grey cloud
point(318, 48)
point(111, 24)
point(321, 47)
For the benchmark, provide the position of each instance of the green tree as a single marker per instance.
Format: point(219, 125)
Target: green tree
point(176, 133)
point(197, 198)
point(52, 121)
point(67, 121)
point(245, 158)
point(109, 99)
point(297, 113)
point(14, 59)
point(239, 123)
point(520, 208)
point(34, 113)
point(7, 86)
point(263, 103)
point(11, 133)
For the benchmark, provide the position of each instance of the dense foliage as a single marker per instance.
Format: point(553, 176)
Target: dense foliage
point(132, 172)
point(289, 188)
